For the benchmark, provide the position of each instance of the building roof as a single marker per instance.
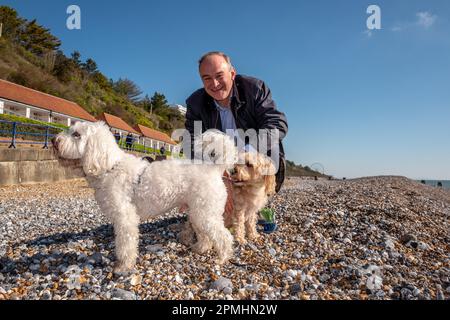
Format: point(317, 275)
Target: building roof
point(154, 134)
point(18, 93)
point(116, 122)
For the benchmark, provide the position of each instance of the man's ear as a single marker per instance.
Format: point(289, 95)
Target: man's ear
point(233, 73)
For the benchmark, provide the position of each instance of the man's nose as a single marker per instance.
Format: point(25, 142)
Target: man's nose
point(216, 83)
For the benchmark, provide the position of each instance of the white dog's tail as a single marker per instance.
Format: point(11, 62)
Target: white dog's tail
point(215, 147)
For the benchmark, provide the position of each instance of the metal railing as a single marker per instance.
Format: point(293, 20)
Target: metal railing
point(16, 132)
point(13, 131)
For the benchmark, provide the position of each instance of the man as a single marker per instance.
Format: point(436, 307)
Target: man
point(117, 136)
point(162, 150)
point(231, 101)
point(129, 141)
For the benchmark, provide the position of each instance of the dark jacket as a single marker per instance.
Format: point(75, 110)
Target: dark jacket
point(252, 107)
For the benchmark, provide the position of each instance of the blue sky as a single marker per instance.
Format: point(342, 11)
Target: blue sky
point(360, 103)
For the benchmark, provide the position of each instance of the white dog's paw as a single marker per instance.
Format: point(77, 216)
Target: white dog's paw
point(201, 246)
point(222, 260)
point(122, 268)
point(186, 237)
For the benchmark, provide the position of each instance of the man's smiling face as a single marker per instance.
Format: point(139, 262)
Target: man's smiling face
point(217, 76)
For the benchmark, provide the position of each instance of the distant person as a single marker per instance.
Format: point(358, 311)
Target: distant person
point(439, 184)
point(162, 150)
point(129, 141)
point(117, 136)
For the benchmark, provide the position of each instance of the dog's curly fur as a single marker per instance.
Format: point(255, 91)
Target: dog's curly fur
point(253, 182)
point(128, 188)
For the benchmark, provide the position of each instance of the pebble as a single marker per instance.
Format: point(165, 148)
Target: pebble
point(154, 248)
point(123, 294)
point(178, 279)
point(221, 284)
point(365, 238)
point(227, 290)
point(374, 283)
point(135, 280)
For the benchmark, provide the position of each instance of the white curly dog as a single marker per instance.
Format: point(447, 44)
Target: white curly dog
point(128, 188)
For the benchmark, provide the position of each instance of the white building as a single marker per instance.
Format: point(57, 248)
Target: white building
point(156, 139)
point(25, 102)
point(180, 108)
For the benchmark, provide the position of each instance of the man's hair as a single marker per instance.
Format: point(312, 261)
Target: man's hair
point(215, 53)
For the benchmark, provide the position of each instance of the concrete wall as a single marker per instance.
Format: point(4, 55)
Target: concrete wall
point(23, 165)
point(31, 165)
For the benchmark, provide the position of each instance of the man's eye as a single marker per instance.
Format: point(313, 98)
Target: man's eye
point(75, 135)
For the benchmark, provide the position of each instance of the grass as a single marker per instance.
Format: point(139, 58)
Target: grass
point(26, 129)
point(8, 117)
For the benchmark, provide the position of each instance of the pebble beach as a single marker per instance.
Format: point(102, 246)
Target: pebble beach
point(378, 238)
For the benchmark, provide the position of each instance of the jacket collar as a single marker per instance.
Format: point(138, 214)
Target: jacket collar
point(235, 94)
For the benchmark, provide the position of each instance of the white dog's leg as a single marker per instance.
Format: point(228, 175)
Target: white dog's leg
point(212, 230)
point(126, 230)
point(187, 235)
point(203, 243)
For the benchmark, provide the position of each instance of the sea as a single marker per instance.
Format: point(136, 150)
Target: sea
point(434, 183)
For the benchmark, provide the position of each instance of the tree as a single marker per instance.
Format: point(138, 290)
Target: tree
point(38, 39)
point(145, 103)
point(64, 68)
point(90, 66)
point(158, 102)
point(101, 80)
point(12, 23)
point(76, 57)
point(128, 88)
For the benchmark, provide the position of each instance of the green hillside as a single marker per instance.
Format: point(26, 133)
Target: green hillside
point(30, 56)
point(295, 170)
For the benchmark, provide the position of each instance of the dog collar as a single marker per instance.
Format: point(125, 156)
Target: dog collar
point(246, 183)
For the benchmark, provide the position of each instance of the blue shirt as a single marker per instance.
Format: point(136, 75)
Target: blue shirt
point(226, 117)
point(228, 122)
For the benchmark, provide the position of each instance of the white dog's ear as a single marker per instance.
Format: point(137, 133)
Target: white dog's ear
point(101, 151)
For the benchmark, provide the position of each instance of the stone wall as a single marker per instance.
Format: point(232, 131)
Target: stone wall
point(31, 165)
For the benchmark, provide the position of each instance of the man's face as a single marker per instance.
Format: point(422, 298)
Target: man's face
point(217, 77)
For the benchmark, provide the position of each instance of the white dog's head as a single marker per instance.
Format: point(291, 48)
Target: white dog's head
point(93, 143)
point(216, 148)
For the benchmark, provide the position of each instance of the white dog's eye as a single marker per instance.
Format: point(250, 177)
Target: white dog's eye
point(76, 135)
